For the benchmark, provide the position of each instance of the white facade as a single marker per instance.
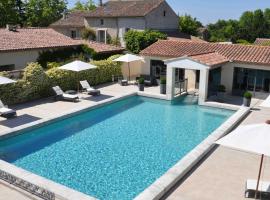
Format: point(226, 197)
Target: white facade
point(18, 58)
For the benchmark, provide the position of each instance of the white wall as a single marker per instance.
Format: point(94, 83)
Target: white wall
point(19, 58)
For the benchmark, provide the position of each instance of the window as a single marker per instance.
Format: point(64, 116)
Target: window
point(164, 13)
point(7, 67)
point(73, 34)
point(102, 22)
point(127, 29)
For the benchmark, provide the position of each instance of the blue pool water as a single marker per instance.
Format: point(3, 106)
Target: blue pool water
point(116, 151)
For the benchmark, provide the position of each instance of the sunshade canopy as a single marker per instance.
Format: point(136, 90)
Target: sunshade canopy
point(77, 66)
point(249, 138)
point(4, 80)
point(129, 58)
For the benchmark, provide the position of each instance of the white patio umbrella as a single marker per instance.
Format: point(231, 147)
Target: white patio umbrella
point(250, 138)
point(128, 58)
point(77, 66)
point(4, 80)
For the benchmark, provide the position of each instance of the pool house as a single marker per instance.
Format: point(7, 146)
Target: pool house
point(205, 66)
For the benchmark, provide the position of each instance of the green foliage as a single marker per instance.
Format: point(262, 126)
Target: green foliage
point(41, 13)
point(88, 5)
point(139, 40)
point(189, 25)
point(247, 95)
point(221, 88)
point(141, 81)
point(64, 55)
point(163, 81)
point(240, 41)
point(88, 34)
point(8, 12)
point(115, 41)
point(250, 26)
point(37, 83)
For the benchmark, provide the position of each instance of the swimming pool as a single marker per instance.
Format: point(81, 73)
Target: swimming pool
point(118, 150)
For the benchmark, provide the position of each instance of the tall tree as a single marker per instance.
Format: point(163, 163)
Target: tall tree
point(44, 12)
point(88, 5)
point(8, 12)
point(189, 25)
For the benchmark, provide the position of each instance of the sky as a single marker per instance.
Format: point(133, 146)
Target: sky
point(209, 11)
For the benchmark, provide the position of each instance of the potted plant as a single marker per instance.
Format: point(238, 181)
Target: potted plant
point(247, 99)
point(163, 86)
point(141, 84)
point(221, 91)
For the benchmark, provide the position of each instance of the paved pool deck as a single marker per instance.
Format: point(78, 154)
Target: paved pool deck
point(223, 173)
point(220, 176)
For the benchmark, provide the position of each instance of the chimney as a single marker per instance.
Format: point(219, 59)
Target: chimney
point(100, 3)
point(10, 27)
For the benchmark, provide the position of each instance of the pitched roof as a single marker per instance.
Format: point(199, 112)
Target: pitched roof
point(33, 38)
point(210, 59)
point(103, 48)
point(262, 41)
point(234, 52)
point(130, 8)
point(72, 19)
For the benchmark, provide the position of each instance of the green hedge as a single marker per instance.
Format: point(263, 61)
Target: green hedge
point(36, 83)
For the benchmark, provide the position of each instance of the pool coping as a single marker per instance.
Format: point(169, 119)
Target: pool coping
point(163, 184)
point(154, 191)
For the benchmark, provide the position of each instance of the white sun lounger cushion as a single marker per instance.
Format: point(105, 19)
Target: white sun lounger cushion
point(5, 110)
point(70, 96)
point(263, 186)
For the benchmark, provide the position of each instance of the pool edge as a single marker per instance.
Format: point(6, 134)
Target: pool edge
point(163, 184)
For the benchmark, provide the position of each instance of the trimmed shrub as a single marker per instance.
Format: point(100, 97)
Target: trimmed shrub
point(221, 88)
point(139, 40)
point(163, 81)
point(37, 83)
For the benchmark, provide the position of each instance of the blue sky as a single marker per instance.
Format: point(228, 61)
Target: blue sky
point(208, 11)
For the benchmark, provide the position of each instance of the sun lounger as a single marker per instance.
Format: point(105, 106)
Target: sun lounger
point(63, 96)
point(263, 191)
point(92, 91)
point(6, 112)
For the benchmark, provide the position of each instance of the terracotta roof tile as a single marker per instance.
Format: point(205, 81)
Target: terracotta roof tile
point(210, 59)
point(103, 48)
point(262, 41)
point(125, 8)
point(234, 52)
point(72, 19)
point(33, 38)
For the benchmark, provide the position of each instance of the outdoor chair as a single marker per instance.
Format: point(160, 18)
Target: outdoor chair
point(263, 191)
point(149, 80)
point(122, 81)
point(6, 112)
point(86, 87)
point(63, 96)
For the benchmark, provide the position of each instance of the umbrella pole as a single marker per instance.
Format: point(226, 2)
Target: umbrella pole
point(259, 176)
point(128, 72)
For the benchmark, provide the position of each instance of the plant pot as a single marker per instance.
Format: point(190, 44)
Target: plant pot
point(162, 88)
point(141, 87)
point(246, 102)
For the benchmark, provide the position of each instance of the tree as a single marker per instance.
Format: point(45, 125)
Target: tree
point(189, 25)
point(88, 5)
point(8, 12)
point(44, 12)
point(139, 40)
